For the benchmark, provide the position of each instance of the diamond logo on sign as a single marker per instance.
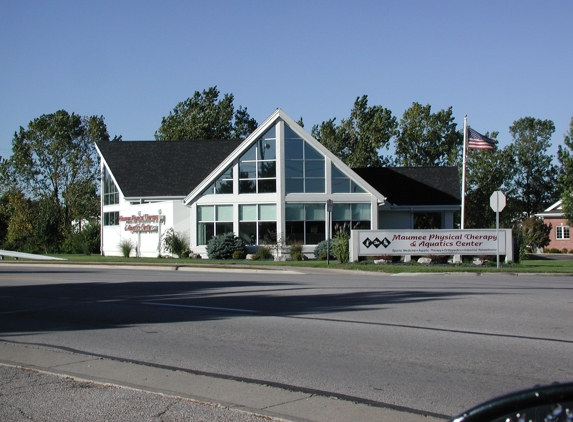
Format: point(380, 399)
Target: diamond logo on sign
point(376, 242)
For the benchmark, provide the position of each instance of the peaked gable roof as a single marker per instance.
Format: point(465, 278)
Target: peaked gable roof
point(415, 185)
point(163, 169)
point(277, 115)
point(555, 210)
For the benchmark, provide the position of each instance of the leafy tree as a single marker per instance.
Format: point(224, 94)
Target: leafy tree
point(486, 172)
point(205, 116)
point(358, 139)
point(535, 176)
point(53, 176)
point(428, 139)
point(565, 156)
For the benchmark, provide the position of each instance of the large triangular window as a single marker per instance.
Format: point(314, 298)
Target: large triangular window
point(304, 166)
point(258, 166)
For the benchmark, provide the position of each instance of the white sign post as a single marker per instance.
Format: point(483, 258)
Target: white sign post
point(329, 205)
point(497, 203)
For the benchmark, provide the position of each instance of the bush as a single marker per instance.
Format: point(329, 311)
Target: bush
point(564, 250)
point(126, 246)
point(320, 251)
point(264, 253)
point(175, 243)
point(554, 250)
point(295, 252)
point(224, 245)
point(341, 246)
point(239, 255)
point(85, 241)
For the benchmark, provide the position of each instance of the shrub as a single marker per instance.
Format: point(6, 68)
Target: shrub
point(83, 241)
point(175, 243)
point(295, 252)
point(320, 250)
point(341, 246)
point(239, 255)
point(564, 250)
point(554, 250)
point(126, 246)
point(224, 245)
point(264, 253)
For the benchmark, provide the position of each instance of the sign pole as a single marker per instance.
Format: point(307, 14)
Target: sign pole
point(329, 204)
point(497, 203)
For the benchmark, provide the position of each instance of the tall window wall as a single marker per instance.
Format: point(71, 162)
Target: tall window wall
point(213, 220)
point(352, 216)
point(223, 185)
point(304, 166)
point(258, 166)
point(110, 191)
point(257, 223)
point(305, 223)
point(341, 183)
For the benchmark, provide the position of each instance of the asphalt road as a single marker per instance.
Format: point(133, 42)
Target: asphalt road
point(433, 343)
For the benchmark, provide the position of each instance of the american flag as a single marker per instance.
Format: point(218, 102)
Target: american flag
point(478, 141)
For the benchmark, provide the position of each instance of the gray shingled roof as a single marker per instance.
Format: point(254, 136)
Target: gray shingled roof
point(147, 169)
point(415, 185)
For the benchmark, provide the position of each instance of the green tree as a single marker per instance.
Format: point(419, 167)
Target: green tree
point(428, 139)
point(535, 176)
point(205, 116)
point(565, 156)
point(54, 165)
point(358, 139)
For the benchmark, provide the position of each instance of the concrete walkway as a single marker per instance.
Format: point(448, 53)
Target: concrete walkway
point(156, 394)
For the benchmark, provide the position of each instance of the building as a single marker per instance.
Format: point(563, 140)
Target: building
point(277, 181)
point(560, 235)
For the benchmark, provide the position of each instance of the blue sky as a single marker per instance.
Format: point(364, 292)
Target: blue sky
point(133, 61)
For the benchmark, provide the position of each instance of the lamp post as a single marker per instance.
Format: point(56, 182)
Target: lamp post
point(329, 205)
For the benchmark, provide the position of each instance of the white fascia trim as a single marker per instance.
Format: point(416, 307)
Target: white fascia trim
point(263, 127)
point(154, 198)
point(426, 208)
point(554, 206)
point(333, 158)
point(104, 163)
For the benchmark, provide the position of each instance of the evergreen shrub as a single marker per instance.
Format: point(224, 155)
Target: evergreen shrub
point(224, 245)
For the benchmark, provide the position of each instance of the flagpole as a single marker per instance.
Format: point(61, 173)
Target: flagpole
point(462, 225)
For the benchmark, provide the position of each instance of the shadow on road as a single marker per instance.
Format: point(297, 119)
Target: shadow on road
point(99, 305)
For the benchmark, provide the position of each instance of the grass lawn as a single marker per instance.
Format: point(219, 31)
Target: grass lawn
point(526, 266)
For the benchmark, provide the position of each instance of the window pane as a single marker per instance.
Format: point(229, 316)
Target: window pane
point(223, 187)
point(224, 213)
point(341, 212)
point(247, 170)
point(295, 231)
point(315, 212)
point(223, 228)
point(294, 168)
point(361, 225)
point(247, 212)
point(314, 168)
point(354, 188)
point(360, 212)
point(315, 232)
point(310, 153)
point(251, 154)
point(206, 213)
point(210, 190)
point(314, 185)
point(337, 173)
point(294, 212)
point(267, 186)
point(340, 185)
point(268, 169)
point(290, 134)
point(267, 231)
point(248, 232)
point(294, 185)
point(293, 149)
point(247, 186)
point(271, 133)
point(267, 149)
point(268, 212)
point(205, 232)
